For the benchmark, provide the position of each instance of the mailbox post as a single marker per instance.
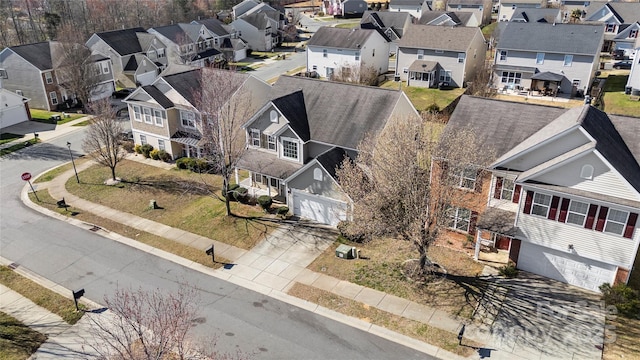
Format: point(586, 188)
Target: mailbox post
point(210, 251)
point(77, 294)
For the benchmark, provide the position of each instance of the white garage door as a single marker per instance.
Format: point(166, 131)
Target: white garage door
point(102, 91)
point(572, 269)
point(146, 78)
point(318, 208)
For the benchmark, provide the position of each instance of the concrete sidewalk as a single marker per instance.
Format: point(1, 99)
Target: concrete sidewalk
point(46, 132)
point(275, 265)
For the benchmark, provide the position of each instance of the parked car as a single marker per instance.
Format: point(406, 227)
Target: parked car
point(122, 93)
point(618, 54)
point(626, 64)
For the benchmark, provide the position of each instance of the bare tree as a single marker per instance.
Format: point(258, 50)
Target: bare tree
point(76, 70)
point(354, 74)
point(480, 84)
point(146, 325)
point(103, 137)
point(224, 104)
point(397, 187)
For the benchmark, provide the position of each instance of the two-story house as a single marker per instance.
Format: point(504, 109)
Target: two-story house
point(189, 44)
point(14, 109)
point(298, 139)
point(481, 8)
point(555, 59)
point(430, 55)
point(414, 7)
point(259, 25)
point(509, 7)
point(620, 24)
point(392, 24)
point(225, 39)
point(33, 71)
point(450, 18)
point(331, 50)
point(546, 15)
point(165, 114)
point(562, 195)
point(122, 45)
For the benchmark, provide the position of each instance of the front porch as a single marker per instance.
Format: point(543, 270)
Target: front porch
point(260, 184)
point(495, 237)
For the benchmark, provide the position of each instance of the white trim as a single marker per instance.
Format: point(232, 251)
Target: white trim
point(586, 214)
point(613, 169)
point(559, 164)
point(293, 141)
point(624, 224)
point(532, 187)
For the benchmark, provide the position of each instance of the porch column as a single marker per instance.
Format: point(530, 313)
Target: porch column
point(269, 186)
point(476, 253)
point(235, 170)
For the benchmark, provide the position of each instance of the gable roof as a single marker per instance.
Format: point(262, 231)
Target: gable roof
point(180, 33)
point(582, 39)
point(331, 159)
point(293, 108)
point(124, 42)
point(185, 83)
point(536, 15)
point(337, 113)
point(625, 12)
point(341, 38)
point(37, 54)
point(387, 19)
point(158, 96)
point(214, 25)
point(439, 37)
point(259, 20)
point(406, 2)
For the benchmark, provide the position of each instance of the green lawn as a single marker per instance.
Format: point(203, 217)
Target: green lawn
point(488, 30)
point(424, 97)
point(8, 137)
point(18, 146)
point(45, 116)
point(17, 341)
point(185, 199)
point(615, 100)
point(348, 25)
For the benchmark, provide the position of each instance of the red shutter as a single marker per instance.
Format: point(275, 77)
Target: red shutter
point(553, 212)
point(602, 217)
point(498, 189)
point(478, 186)
point(516, 193)
point(631, 224)
point(563, 210)
point(472, 223)
point(528, 201)
point(591, 216)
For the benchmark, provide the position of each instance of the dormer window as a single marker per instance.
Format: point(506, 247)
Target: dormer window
point(586, 172)
point(273, 116)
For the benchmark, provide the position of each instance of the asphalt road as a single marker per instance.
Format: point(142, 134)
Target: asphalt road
point(241, 318)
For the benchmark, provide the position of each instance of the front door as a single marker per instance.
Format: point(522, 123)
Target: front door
point(503, 242)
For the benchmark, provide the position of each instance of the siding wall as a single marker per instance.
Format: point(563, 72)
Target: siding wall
point(447, 60)
point(23, 76)
point(326, 187)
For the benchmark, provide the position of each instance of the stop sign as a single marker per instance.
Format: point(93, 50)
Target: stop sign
point(26, 176)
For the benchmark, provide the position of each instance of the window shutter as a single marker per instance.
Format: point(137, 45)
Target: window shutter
point(602, 217)
point(563, 210)
point(478, 186)
point(528, 201)
point(553, 212)
point(498, 189)
point(591, 217)
point(472, 222)
point(444, 167)
point(516, 193)
point(631, 225)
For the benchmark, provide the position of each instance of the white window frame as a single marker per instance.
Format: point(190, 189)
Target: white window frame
point(160, 52)
point(540, 58)
point(420, 54)
point(457, 217)
point(143, 139)
point(633, 33)
point(572, 211)
point(285, 149)
point(137, 113)
point(610, 28)
point(325, 53)
point(273, 116)
point(105, 67)
point(568, 60)
point(586, 172)
point(439, 51)
point(506, 193)
point(539, 203)
point(502, 55)
point(357, 56)
point(465, 181)
point(510, 77)
point(54, 98)
point(188, 119)
point(317, 174)
point(445, 76)
point(254, 137)
point(147, 115)
point(158, 120)
point(461, 57)
point(271, 142)
point(161, 145)
point(616, 222)
point(3, 74)
point(48, 77)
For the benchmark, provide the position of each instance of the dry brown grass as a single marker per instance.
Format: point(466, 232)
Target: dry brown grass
point(626, 344)
point(417, 330)
point(184, 197)
point(187, 252)
point(381, 269)
point(17, 341)
point(562, 104)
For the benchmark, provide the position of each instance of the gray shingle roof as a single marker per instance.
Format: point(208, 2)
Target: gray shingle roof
point(340, 38)
point(186, 84)
point(265, 163)
point(215, 26)
point(584, 39)
point(629, 12)
point(394, 20)
point(158, 96)
point(258, 20)
point(535, 15)
point(293, 108)
point(124, 42)
point(38, 54)
point(459, 18)
point(174, 33)
point(439, 37)
point(337, 113)
point(406, 3)
point(332, 159)
point(465, 2)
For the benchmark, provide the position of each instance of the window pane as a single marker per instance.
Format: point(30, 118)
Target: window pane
point(617, 215)
point(289, 149)
point(614, 228)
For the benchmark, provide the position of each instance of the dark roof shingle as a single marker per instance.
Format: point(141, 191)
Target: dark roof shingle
point(584, 39)
point(340, 38)
point(124, 42)
point(439, 37)
point(38, 54)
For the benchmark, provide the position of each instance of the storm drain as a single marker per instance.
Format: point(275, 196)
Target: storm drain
point(94, 228)
point(13, 266)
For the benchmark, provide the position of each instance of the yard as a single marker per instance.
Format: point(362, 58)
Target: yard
point(185, 199)
point(615, 101)
point(17, 341)
point(422, 98)
point(45, 116)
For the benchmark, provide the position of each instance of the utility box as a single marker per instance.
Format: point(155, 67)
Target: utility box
point(346, 252)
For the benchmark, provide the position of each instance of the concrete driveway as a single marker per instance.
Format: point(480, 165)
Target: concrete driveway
point(539, 318)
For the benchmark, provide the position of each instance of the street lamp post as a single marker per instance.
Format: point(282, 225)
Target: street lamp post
point(73, 162)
